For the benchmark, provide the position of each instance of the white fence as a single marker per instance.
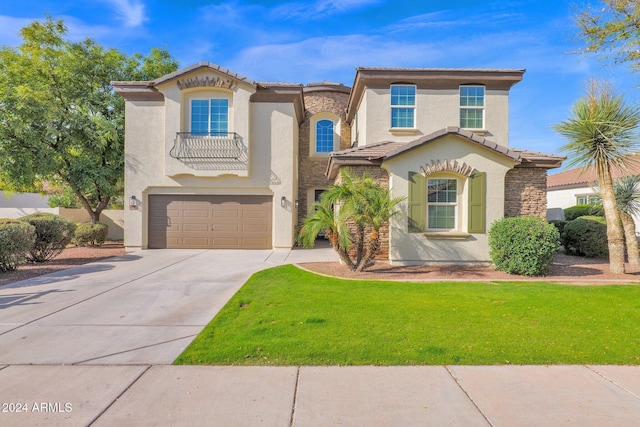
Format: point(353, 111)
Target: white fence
point(114, 219)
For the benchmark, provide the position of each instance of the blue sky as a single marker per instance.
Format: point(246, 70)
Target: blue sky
point(310, 41)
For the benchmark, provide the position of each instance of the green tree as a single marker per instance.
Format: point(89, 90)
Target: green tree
point(602, 132)
point(627, 191)
point(60, 120)
point(613, 28)
point(364, 207)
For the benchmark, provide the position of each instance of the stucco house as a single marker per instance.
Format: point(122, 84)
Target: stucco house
point(577, 186)
point(217, 160)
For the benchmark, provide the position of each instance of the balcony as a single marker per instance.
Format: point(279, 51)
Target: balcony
point(207, 146)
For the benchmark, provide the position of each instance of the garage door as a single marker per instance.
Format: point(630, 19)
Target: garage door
point(215, 222)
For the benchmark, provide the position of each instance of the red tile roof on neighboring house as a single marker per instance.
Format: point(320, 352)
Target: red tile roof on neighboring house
point(586, 176)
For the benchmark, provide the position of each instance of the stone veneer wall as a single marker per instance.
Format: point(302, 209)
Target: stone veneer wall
point(382, 177)
point(526, 192)
point(311, 170)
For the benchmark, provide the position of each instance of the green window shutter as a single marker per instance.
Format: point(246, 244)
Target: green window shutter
point(417, 202)
point(477, 203)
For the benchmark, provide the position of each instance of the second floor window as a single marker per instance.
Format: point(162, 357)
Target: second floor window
point(324, 136)
point(210, 116)
point(472, 107)
point(403, 106)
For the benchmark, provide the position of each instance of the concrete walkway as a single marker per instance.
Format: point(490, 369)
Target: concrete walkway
point(93, 345)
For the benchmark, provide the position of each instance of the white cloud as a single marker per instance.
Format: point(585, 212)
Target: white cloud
point(320, 9)
point(315, 58)
point(132, 12)
point(10, 29)
point(76, 30)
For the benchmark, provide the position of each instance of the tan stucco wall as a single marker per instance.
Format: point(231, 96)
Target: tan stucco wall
point(275, 130)
point(416, 248)
point(435, 110)
point(269, 130)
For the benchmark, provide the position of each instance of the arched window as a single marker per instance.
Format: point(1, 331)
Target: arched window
point(324, 136)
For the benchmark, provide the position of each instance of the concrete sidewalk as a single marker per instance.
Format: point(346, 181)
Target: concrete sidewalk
point(160, 395)
point(93, 345)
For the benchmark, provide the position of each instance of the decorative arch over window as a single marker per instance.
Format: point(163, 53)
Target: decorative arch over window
point(436, 202)
point(448, 166)
point(324, 136)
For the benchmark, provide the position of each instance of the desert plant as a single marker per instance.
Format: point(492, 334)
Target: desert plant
point(90, 233)
point(582, 210)
point(603, 132)
point(53, 234)
point(586, 236)
point(627, 191)
point(523, 245)
point(16, 240)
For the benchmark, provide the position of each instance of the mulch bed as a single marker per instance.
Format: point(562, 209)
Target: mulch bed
point(70, 257)
point(565, 269)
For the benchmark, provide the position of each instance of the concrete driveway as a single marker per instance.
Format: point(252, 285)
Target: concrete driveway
point(90, 346)
point(140, 308)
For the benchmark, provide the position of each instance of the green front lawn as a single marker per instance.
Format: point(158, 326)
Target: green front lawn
point(286, 316)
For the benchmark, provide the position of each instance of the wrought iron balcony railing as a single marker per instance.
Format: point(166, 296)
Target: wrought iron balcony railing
point(206, 145)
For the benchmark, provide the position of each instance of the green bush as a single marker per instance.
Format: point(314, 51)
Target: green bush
point(16, 240)
point(559, 224)
point(90, 233)
point(523, 245)
point(53, 234)
point(586, 236)
point(582, 210)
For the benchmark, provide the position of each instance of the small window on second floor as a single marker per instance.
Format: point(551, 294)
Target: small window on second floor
point(210, 116)
point(403, 106)
point(324, 136)
point(472, 107)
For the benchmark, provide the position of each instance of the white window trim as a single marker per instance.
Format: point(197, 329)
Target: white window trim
point(484, 115)
point(391, 107)
point(457, 204)
point(200, 95)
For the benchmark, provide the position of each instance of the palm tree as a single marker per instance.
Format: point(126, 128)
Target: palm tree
point(379, 209)
point(363, 204)
point(627, 191)
point(324, 219)
point(602, 132)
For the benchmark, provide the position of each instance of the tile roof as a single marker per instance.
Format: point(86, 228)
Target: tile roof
point(375, 154)
point(585, 176)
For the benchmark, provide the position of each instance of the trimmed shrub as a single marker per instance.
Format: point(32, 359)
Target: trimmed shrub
point(53, 234)
point(523, 245)
point(16, 240)
point(559, 224)
point(586, 236)
point(582, 210)
point(90, 233)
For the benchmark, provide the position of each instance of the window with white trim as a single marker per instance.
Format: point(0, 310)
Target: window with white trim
point(472, 107)
point(442, 203)
point(210, 116)
point(403, 106)
point(588, 199)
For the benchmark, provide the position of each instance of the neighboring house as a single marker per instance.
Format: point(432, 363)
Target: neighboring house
point(216, 160)
point(577, 187)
